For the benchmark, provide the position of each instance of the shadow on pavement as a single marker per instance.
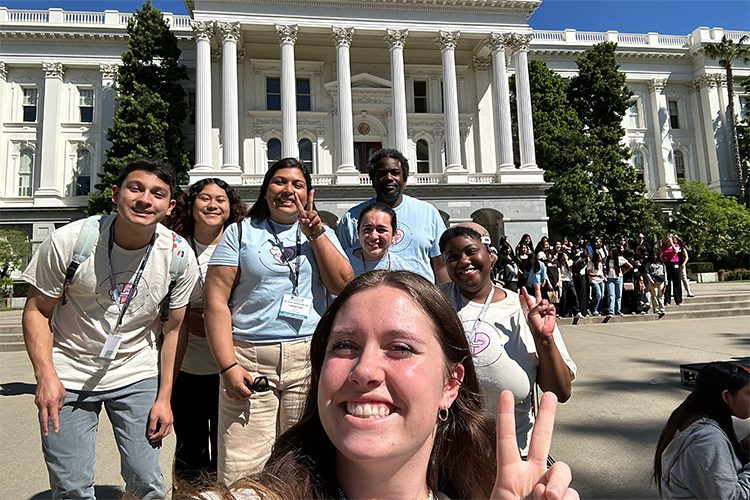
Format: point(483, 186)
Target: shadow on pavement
point(106, 492)
point(17, 389)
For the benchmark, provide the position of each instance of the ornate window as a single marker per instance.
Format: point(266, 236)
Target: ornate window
point(638, 163)
point(679, 164)
point(633, 117)
point(420, 97)
point(274, 151)
point(304, 101)
point(82, 184)
point(423, 157)
point(86, 105)
point(25, 172)
point(306, 153)
point(30, 98)
point(273, 94)
point(674, 115)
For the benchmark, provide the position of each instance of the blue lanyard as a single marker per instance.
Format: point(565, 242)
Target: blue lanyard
point(298, 263)
point(482, 313)
point(134, 286)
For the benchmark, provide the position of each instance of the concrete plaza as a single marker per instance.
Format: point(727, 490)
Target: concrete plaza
point(628, 383)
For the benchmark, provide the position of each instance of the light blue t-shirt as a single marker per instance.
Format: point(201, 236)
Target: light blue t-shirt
point(534, 278)
point(265, 276)
point(417, 237)
point(390, 262)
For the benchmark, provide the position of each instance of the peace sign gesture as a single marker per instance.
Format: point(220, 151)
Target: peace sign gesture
point(309, 220)
point(517, 479)
point(539, 313)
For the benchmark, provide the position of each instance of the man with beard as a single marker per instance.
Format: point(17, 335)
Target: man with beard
point(419, 223)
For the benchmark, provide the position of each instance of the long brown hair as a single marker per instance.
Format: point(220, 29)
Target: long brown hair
point(462, 463)
point(181, 219)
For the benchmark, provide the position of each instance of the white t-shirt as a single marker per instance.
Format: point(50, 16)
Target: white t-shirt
point(505, 355)
point(265, 276)
point(611, 272)
point(417, 237)
point(81, 326)
point(599, 269)
point(198, 359)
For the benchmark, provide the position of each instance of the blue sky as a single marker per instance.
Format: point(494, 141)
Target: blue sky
point(669, 17)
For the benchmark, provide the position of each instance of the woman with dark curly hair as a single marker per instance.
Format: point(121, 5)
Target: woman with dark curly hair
point(200, 216)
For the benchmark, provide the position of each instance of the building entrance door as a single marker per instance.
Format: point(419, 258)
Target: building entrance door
point(362, 153)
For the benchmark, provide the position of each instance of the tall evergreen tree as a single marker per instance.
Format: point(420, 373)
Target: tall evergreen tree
point(152, 104)
point(726, 52)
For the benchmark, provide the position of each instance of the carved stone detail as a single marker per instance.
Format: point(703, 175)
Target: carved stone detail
point(53, 70)
point(108, 71)
point(396, 38)
point(229, 32)
point(482, 63)
point(447, 39)
point(342, 36)
point(3, 71)
point(497, 41)
point(657, 84)
point(202, 31)
point(287, 34)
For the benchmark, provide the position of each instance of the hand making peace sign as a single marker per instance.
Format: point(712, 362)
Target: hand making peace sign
point(540, 314)
point(309, 220)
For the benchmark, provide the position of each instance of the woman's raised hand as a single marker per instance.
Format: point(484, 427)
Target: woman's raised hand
point(309, 220)
point(531, 479)
point(539, 313)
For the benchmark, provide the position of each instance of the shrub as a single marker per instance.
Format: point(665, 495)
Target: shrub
point(736, 275)
point(700, 267)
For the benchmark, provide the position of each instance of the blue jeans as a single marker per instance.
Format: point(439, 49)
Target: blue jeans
point(596, 296)
point(71, 453)
point(614, 294)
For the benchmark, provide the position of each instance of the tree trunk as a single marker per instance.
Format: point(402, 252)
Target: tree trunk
point(733, 128)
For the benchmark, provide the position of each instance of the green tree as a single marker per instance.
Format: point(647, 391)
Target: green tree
point(726, 52)
point(152, 104)
point(715, 227)
point(15, 251)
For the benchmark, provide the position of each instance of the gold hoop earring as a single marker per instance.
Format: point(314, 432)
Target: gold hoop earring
point(443, 414)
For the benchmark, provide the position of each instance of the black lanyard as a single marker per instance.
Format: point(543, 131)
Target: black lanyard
point(133, 287)
point(201, 279)
point(298, 263)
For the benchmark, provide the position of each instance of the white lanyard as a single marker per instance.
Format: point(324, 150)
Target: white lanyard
point(482, 313)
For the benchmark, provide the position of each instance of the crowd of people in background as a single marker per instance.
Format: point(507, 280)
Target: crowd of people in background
point(591, 278)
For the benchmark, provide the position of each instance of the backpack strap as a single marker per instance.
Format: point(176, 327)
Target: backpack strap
point(84, 246)
point(177, 266)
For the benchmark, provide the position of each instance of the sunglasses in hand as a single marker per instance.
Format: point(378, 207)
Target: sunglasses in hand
point(260, 384)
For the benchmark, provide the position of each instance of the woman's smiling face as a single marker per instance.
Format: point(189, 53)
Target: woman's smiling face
point(375, 235)
point(383, 379)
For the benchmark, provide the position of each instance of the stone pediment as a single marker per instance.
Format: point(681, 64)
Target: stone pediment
point(363, 82)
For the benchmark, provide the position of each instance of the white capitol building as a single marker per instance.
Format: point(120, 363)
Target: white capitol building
point(329, 81)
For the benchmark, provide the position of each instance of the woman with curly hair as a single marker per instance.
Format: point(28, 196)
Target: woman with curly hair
point(200, 215)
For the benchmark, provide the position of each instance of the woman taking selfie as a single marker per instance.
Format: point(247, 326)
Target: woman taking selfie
point(200, 215)
point(394, 410)
point(265, 291)
point(514, 347)
point(699, 455)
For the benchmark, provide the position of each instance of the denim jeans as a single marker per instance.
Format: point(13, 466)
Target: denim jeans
point(614, 294)
point(71, 453)
point(597, 295)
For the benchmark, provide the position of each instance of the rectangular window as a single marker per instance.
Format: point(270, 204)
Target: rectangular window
point(191, 108)
point(303, 94)
point(674, 115)
point(273, 94)
point(632, 114)
point(420, 97)
point(29, 104)
point(86, 105)
point(25, 172)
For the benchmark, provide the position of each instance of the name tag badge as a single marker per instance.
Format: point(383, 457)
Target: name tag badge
point(295, 307)
point(109, 350)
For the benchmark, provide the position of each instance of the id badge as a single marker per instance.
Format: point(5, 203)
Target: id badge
point(296, 307)
point(109, 350)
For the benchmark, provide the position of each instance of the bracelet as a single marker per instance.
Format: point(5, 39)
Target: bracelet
point(316, 235)
point(228, 367)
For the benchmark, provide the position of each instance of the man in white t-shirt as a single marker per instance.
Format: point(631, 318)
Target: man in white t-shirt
point(94, 341)
point(419, 223)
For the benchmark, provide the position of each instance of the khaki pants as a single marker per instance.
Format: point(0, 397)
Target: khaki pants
point(248, 427)
point(657, 297)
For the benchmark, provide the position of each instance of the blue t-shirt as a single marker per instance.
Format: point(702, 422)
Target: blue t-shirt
point(534, 278)
point(265, 276)
point(390, 262)
point(417, 237)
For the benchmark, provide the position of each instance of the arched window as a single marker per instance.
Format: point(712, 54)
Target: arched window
point(274, 151)
point(638, 163)
point(423, 157)
point(306, 153)
point(83, 173)
point(679, 164)
point(25, 172)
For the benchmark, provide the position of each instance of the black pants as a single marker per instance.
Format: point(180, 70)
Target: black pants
point(581, 283)
point(674, 283)
point(195, 405)
point(569, 299)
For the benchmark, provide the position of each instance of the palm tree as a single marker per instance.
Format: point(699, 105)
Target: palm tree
point(725, 52)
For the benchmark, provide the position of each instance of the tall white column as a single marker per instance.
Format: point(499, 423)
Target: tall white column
point(202, 33)
point(503, 123)
point(396, 40)
point(343, 39)
point(523, 94)
point(230, 38)
point(665, 169)
point(50, 183)
point(711, 107)
point(700, 163)
point(447, 43)
point(108, 107)
point(287, 38)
